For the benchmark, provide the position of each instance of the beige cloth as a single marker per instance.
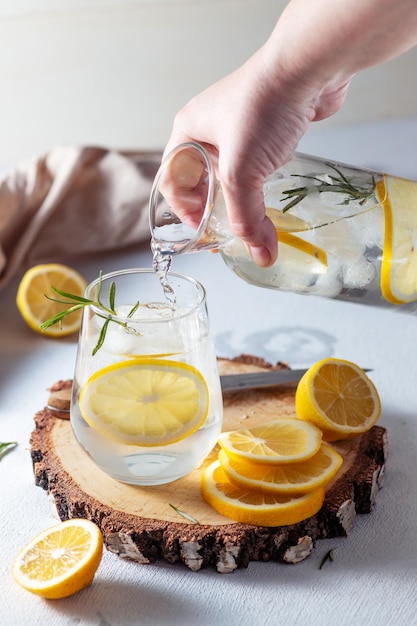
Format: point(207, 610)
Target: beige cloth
point(73, 201)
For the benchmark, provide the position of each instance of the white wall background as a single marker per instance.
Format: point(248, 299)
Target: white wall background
point(114, 72)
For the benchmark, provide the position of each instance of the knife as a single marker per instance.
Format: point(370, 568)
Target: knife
point(261, 380)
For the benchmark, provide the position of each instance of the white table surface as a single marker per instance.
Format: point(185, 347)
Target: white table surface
point(372, 579)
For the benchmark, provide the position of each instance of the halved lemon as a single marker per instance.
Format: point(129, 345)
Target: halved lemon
point(253, 507)
point(339, 398)
point(145, 402)
point(281, 441)
point(286, 478)
point(60, 560)
point(34, 305)
point(399, 260)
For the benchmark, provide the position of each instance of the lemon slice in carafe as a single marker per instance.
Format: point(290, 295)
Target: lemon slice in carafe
point(286, 221)
point(399, 260)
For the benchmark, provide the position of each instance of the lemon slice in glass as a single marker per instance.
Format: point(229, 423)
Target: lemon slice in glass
point(399, 259)
point(145, 402)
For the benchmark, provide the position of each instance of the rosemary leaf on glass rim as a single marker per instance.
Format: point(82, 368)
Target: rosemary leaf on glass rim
point(76, 303)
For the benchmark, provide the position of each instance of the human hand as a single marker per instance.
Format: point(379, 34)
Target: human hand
point(250, 122)
point(254, 118)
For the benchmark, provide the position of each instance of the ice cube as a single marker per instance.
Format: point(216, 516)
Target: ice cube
point(338, 239)
point(329, 284)
point(359, 274)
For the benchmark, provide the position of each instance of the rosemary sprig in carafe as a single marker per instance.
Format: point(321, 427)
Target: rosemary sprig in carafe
point(339, 183)
point(76, 303)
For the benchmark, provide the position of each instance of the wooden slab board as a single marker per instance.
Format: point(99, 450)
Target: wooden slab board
point(139, 523)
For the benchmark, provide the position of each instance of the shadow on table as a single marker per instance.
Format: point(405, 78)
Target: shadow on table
point(111, 603)
point(292, 344)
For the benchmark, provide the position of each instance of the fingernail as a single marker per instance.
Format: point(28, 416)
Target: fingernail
point(260, 255)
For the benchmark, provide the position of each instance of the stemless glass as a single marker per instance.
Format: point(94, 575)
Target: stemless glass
point(146, 402)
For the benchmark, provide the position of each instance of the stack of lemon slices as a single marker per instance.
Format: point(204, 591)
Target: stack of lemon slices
point(270, 475)
point(275, 474)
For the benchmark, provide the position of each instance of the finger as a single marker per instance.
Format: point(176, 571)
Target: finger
point(248, 221)
point(184, 186)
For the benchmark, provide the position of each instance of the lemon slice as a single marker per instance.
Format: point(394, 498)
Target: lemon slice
point(35, 307)
point(294, 249)
point(399, 259)
point(60, 560)
point(301, 255)
point(285, 222)
point(339, 398)
point(281, 441)
point(253, 507)
point(145, 402)
point(286, 478)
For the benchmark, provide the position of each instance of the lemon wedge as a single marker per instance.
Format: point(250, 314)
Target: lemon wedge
point(145, 402)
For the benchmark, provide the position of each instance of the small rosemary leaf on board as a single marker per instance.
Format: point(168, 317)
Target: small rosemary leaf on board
point(185, 515)
point(4, 446)
point(329, 556)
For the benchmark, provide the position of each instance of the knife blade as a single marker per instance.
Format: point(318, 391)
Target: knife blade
point(261, 380)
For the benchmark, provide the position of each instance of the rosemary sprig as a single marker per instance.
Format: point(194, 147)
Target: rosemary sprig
point(338, 184)
point(80, 303)
point(7, 445)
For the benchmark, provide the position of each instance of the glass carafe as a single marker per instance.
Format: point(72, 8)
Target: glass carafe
point(343, 232)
